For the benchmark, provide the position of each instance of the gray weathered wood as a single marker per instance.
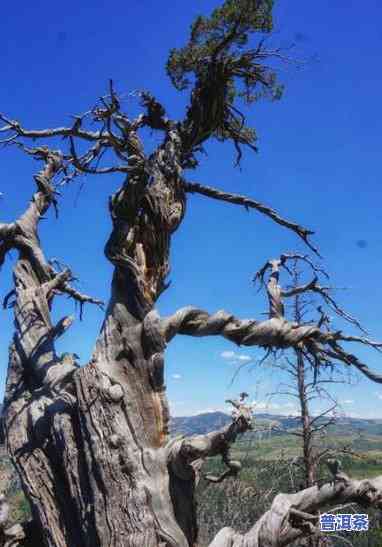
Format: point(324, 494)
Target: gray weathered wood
point(91, 444)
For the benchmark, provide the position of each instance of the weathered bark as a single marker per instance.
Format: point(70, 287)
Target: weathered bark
point(90, 444)
point(92, 458)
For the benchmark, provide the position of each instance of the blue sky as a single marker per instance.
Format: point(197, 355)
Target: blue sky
point(318, 163)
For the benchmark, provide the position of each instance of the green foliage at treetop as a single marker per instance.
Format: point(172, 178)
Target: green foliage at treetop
point(218, 60)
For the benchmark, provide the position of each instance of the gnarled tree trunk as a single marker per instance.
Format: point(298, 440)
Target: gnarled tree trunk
point(91, 444)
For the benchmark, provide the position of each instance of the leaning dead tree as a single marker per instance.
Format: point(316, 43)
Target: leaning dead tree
point(91, 444)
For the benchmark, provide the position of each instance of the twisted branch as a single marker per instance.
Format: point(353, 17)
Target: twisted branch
point(276, 333)
point(292, 516)
point(315, 341)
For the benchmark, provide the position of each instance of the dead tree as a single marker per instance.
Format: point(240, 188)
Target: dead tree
point(91, 444)
point(310, 380)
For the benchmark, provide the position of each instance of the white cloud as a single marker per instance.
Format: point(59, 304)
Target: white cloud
point(210, 409)
point(227, 354)
point(275, 408)
point(379, 395)
point(235, 358)
point(176, 376)
point(347, 402)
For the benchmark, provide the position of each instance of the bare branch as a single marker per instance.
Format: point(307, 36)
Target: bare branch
point(22, 234)
point(183, 453)
point(292, 516)
point(276, 293)
point(361, 340)
point(281, 262)
point(322, 414)
point(303, 233)
point(117, 133)
point(324, 292)
point(81, 298)
point(350, 359)
point(83, 166)
point(75, 131)
point(60, 283)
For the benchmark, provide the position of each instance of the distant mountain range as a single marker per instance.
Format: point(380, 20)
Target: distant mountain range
point(210, 421)
point(201, 424)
